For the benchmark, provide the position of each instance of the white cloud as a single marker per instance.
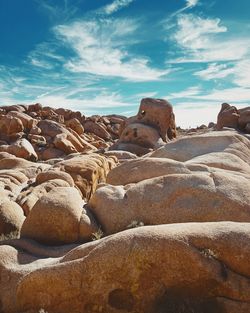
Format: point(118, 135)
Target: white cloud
point(201, 40)
point(41, 63)
point(62, 11)
point(115, 6)
point(240, 72)
point(141, 95)
point(192, 3)
point(102, 46)
point(189, 5)
point(191, 91)
point(215, 71)
point(235, 94)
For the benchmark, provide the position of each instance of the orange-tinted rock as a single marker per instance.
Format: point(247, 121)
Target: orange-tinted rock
point(21, 148)
point(56, 218)
point(54, 174)
point(75, 125)
point(51, 153)
point(87, 171)
point(35, 107)
point(10, 127)
point(244, 118)
point(159, 114)
point(227, 117)
point(28, 122)
point(97, 129)
point(11, 216)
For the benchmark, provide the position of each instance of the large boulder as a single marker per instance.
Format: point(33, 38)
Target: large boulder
point(96, 129)
point(227, 117)
point(87, 171)
point(187, 148)
point(75, 125)
point(28, 121)
point(244, 119)
point(10, 127)
point(21, 148)
point(11, 217)
point(28, 168)
point(56, 218)
point(149, 129)
point(29, 196)
point(196, 197)
point(159, 114)
point(140, 169)
point(230, 116)
point(199, 268)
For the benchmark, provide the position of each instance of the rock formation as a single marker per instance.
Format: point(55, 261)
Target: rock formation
point(175, 221)
point(153, 125)
point(230, 116)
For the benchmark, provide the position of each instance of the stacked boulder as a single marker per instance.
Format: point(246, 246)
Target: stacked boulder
point(176, 223)
point(153, 126)
point(35, 133)
point(230, 116)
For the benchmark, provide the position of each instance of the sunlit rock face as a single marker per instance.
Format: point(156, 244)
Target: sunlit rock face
point(153, 125)
point(112, 232)
point(230, 116)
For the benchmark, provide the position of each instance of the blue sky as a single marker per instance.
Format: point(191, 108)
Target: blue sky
point(103, 56)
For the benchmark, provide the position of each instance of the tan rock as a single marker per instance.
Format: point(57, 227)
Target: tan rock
point(75, 125)
point(97, 129)
point(199, 197)
point(11, 217)
point(227, 117)
point(142, 135)
point(55, 218)
point(159, 114)
point(244, 118)
point(51, 153)
point(21, 148)
point(29, 169)
point(187, 148)
point(54, 174)
point(139, 270)
point(140, 169)
point(10, 127)
point(87, 171)
point(28, 122)
point(64, 139)
point(29, 197)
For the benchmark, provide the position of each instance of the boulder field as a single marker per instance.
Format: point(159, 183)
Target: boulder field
point(115, 215)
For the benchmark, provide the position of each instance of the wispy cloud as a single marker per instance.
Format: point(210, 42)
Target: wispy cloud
point(234, 94)
point(115, 6)
point(215, 71)
point(189, 92)
point(102, 48)
point(239, 72)
point(201, 40)
point(191, 3)
point(61, 12)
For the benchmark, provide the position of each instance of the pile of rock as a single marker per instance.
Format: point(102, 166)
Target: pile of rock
point(230, 116)
point(153, 126)
point(176, 222)
point(41, 133)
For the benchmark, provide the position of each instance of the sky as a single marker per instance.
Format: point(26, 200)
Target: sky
point(104, 56)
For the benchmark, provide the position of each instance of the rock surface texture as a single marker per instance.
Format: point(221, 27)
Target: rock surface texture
point(153, 125)
point(175, 221)
point(229, 116)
